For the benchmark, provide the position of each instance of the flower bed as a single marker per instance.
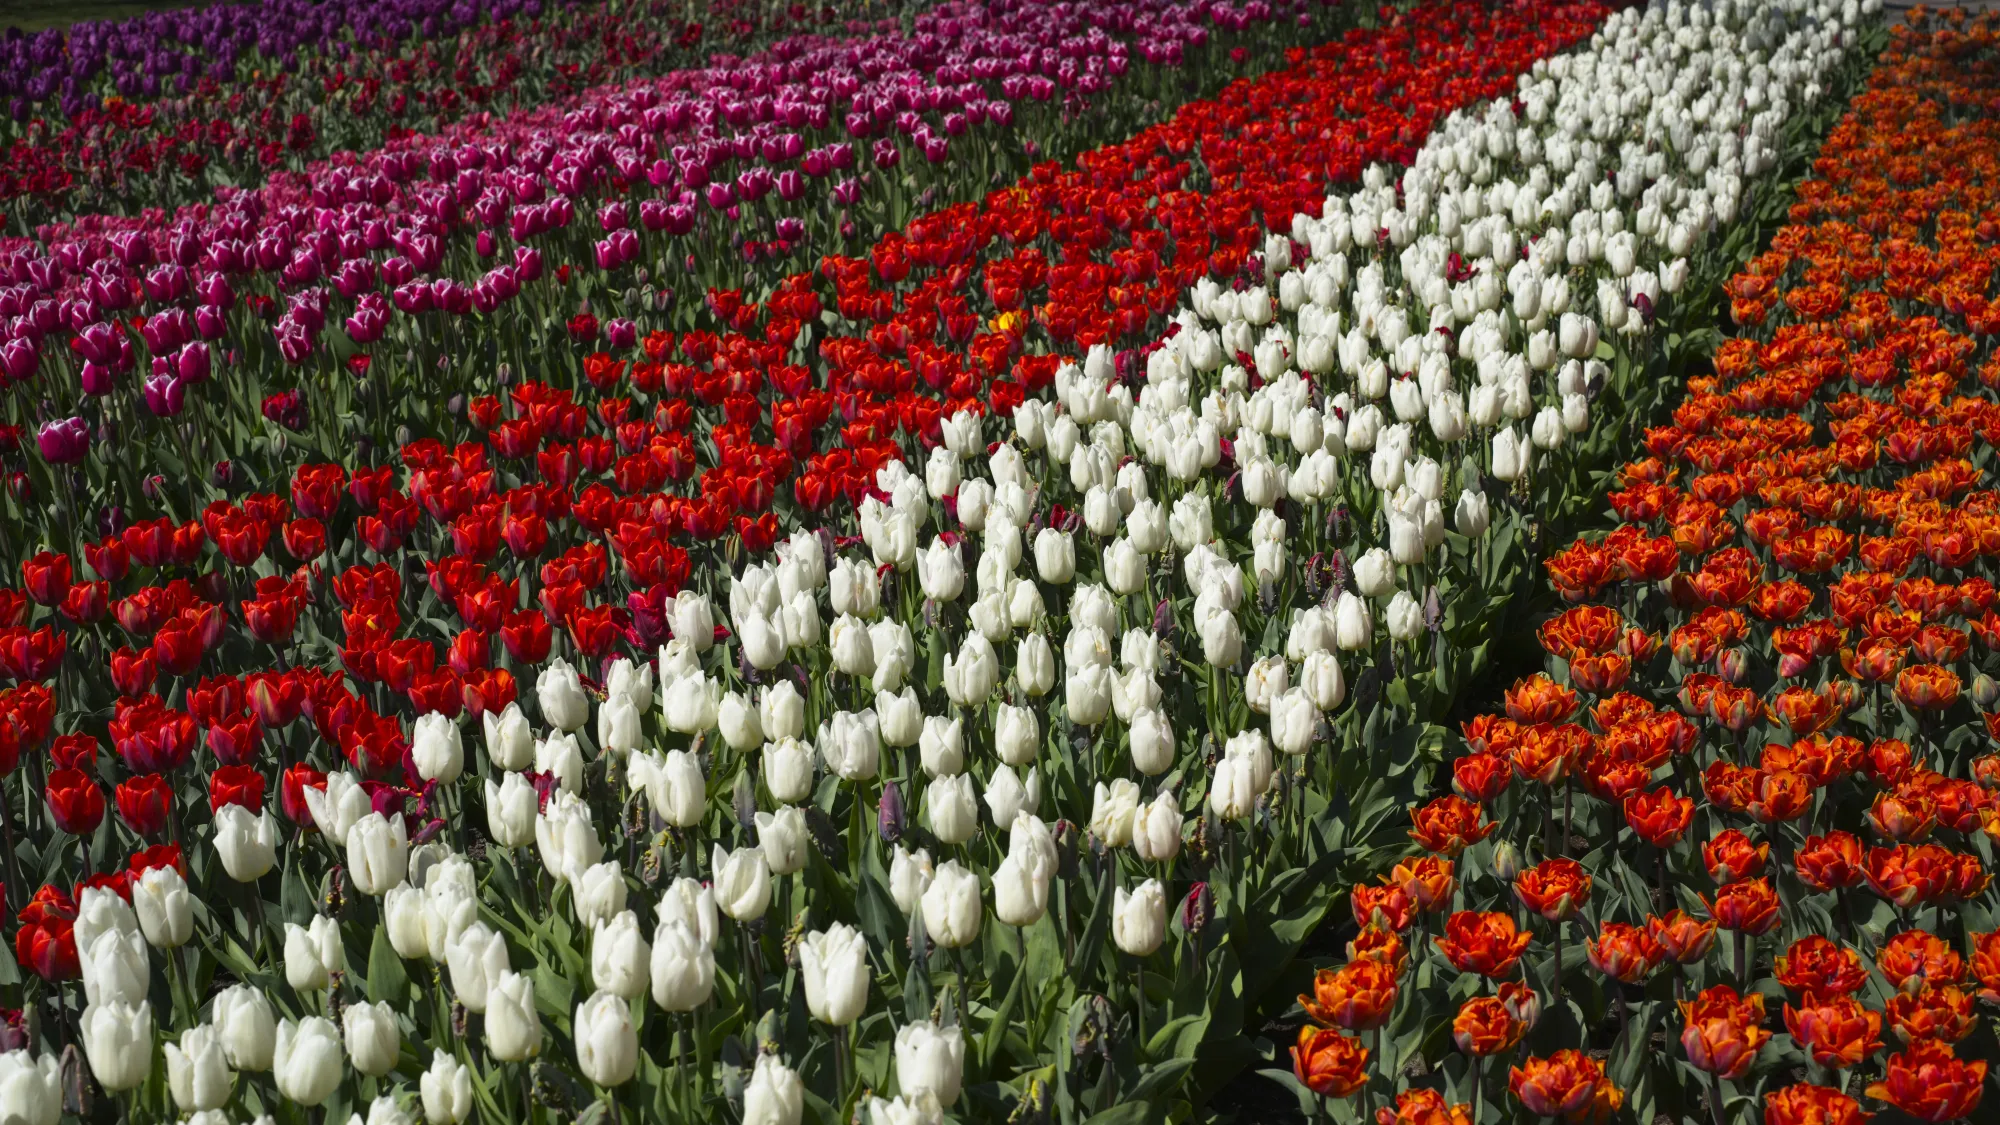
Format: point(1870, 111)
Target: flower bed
point(1748, 808)
point(582, 728)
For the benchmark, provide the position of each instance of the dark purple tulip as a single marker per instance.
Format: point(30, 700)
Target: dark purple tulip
point(193, 363)
point(791, 185)
point(63, 442)
point(165, 395)
point(621, 333)
point(846, 192)
point(886, 154)
point(791, 228)
point(18, 359)
point(210, 322)
point(96, 378)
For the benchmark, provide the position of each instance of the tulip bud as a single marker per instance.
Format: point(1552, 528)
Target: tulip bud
point(775, 1094)
point(1197, 909)
point(447, 1090)
point(198, 1073)
point(160, 898)
point(834, 963)
point(307, 1060)
point(373, 1040)
point(930, 1059)
point(513, 1030)
point(246, 1027)
point(951, 906)
point(682, 967)
point(118, 1041)
point(607, 1045)
point(1139, 919)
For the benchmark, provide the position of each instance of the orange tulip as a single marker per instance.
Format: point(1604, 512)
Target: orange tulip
point(1682, 936)
point(1329, 1063)
point(1732, 858)
point(1931, 1083)
point(1937, 1011)
point(1487, 944)
point(1586, 630)
point(1804, 710)
point(1779, 795)
point(1481, 777)
point(1387, 906)
point(1559, 1085)
point(1626, 953)
point(1448, 825)
point(1806, 1104)
point(1816, 965)
point(1830, 862)
point(1749, 907)
point(1358, 996)
point(1723, 1031)
point(1554, 888)
point(1659, 817)
point(1379, 943)
point(1905, 816)
point(1874, 660)
point(1835, 1030)
point(1927, 687)
point(1907, 875)
point(1427, 880)
point(1986, 965)
point(1600, 675)
point(1484, 1027)
point(1915, 958)
point(1423, 1107)
point(1539, 699)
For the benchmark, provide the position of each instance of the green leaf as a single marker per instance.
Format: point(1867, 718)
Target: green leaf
point(387, 979)
point(1129, 1113)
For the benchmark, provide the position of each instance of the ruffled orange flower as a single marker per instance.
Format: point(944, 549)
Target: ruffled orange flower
point(1816, 965)
point(1731, 857)
point(1481, 777)
point(1554, 888)
point(1427, 880)
point(1382, 905)
point(1484, 1026)
point(1357, 996)
point(1585, 630)
point(1485, 943)
point(1723, 1031)
point(1749, 907)
point(1937, 1011)
point(1806, 1104)
point(1874, 660)
point(1907, 875)
point(1658, 816)
point(1423, 1107)
point(1986, 965)
point(1927, 687)
point(1448, 825)
point(1539, 699)
point(1683, 937)
point(1779, 795)
point(1829, 863)
point(1329, 1063)
point(1379, 943)
point(1834, 1029)
point(1906, 816)
point(1931, 1083)
point(1624, 952)
point(1915, 958)
point(1557, 1086)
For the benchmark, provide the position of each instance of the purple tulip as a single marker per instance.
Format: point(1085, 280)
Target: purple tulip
point(791, 229)
point(97, 379)
point(621, 333)
point(166, 395)
point(63, 442)
point(192, 363)
point(210, 322)
point(18, 359)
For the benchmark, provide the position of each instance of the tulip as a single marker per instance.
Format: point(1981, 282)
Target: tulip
point(114, 967)
point(118, 1042)
point(1562, 1084)
point(835, 965)
point(1329, 1063)
point(513, 1029)
point(30, 1089)
point(1020, 892)
point(1156, 829)
point(607, 1045)
point(313, 954)
point(372, 1038)
point(1139, 919)
point(930, 1059)
point(1486, 1026)
point(198, 1074)
point(560, 693)
point(1928, 1082)
point(775, 1094)
point(246, 1027)
point(851, 744)
point(1723, 1031)
point(435, 746)
point(476, 958)
point(378, 853)
point(307, 1060)
point(564, 835)
point(246, 844)
point(682, 967)
point(560, 757)
point(952, 907)
point(687, 900)
point(1483, 943)
point(599, 892)
point(510, 811)
point(910, 876)
point(674, 786)
point(510, 743)
point(941, 746)
point(788, 770)
point(336, 808)
point(738, 720)
point(1016, 734)
point(166, 913)
point(446, 1089)
point(952, 809)
point(742, 882)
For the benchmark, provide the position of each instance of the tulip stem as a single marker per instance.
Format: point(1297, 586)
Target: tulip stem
point(1715, 1098)
point(1478, 1085)
point(13, 860)
point(1139, 998)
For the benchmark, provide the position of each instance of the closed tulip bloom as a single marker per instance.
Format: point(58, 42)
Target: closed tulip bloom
point(675, 787)
point(742, 882)
point(899, 717)
point(307, 1060)
point(510, 743)
point(1139, 919)
point(971, 673)
point(510, 811)
point(372, 1037)
point(1486, 1026)
point(560, 757)
point(1151, 737)
point(115, 967)
point(568, 841)
point(951, 808)
point(783, 837)
point(436, 748)
point(378, 853)
point(909, 877)
point(1353, 625)
point(30, 1089)
point(1114, 809)
point(788, 770)
point(735, 716)
point(246, 1026)
point(835, 965)
point(952, 907)
point(403, 917)
point(1020, 892)
point(198, 1073)
point(941, 571)
point(1016, 734)
point(851, 744)
point(166, 913)
point(781, 711)
point(1233, 789)
point(336, 808)
point(852, 649)
point(477, 958)
point(1055, 556)
point(313, 953)
point(682, 967)
point(1294, 721)
point(941, 746)
point(446, 1089)
point(775, 1094)
point(690, 901)
point(607, 1045)
point(1007, 796)
point(1723, 1031)
point(1156, 829)
point(118, 1042)
point(931, 1059)
point(1329, 1063)
point(599, 892)
point(1035, 665)
point(560, 693)
point(620, 958)
point(246, 844)
point(513, 1030)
